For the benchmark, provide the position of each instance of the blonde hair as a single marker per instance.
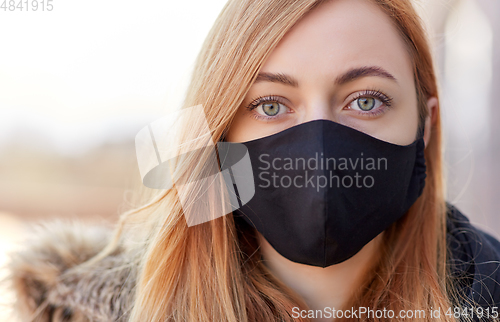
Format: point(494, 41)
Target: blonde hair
point(213, 272)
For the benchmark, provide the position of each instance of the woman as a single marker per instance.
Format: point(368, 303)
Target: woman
point(360, 69)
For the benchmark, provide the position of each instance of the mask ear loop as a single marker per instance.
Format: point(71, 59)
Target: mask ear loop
point(420, 131)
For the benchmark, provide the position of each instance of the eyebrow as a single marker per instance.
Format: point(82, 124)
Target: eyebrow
point(349, 76)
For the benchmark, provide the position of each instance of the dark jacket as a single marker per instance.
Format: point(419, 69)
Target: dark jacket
point(475, 264)
point(44, 278)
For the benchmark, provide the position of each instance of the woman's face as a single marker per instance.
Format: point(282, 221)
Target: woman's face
point(344, 62)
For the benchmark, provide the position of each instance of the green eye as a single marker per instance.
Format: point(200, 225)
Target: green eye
point(366, 103)
point(271, 109)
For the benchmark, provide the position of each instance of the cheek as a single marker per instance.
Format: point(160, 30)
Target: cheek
point(402, 124)
point(238, 129)
point(244, 127)
point(406, 125)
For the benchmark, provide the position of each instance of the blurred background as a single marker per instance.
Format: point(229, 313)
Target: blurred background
point(77, 83)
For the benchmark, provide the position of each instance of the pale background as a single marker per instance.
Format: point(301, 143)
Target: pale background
point(77, 84)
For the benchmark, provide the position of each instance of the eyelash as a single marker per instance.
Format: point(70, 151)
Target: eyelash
point(387, 100)
point(264, 99)
point(373, 93)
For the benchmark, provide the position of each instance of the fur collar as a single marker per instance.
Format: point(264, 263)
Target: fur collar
point(49, 285)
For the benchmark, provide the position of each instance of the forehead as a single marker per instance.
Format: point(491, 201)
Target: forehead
point(338, 35)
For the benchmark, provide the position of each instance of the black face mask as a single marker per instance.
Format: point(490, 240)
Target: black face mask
point(324, 190)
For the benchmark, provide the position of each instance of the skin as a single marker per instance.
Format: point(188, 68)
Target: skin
point(334, 38)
